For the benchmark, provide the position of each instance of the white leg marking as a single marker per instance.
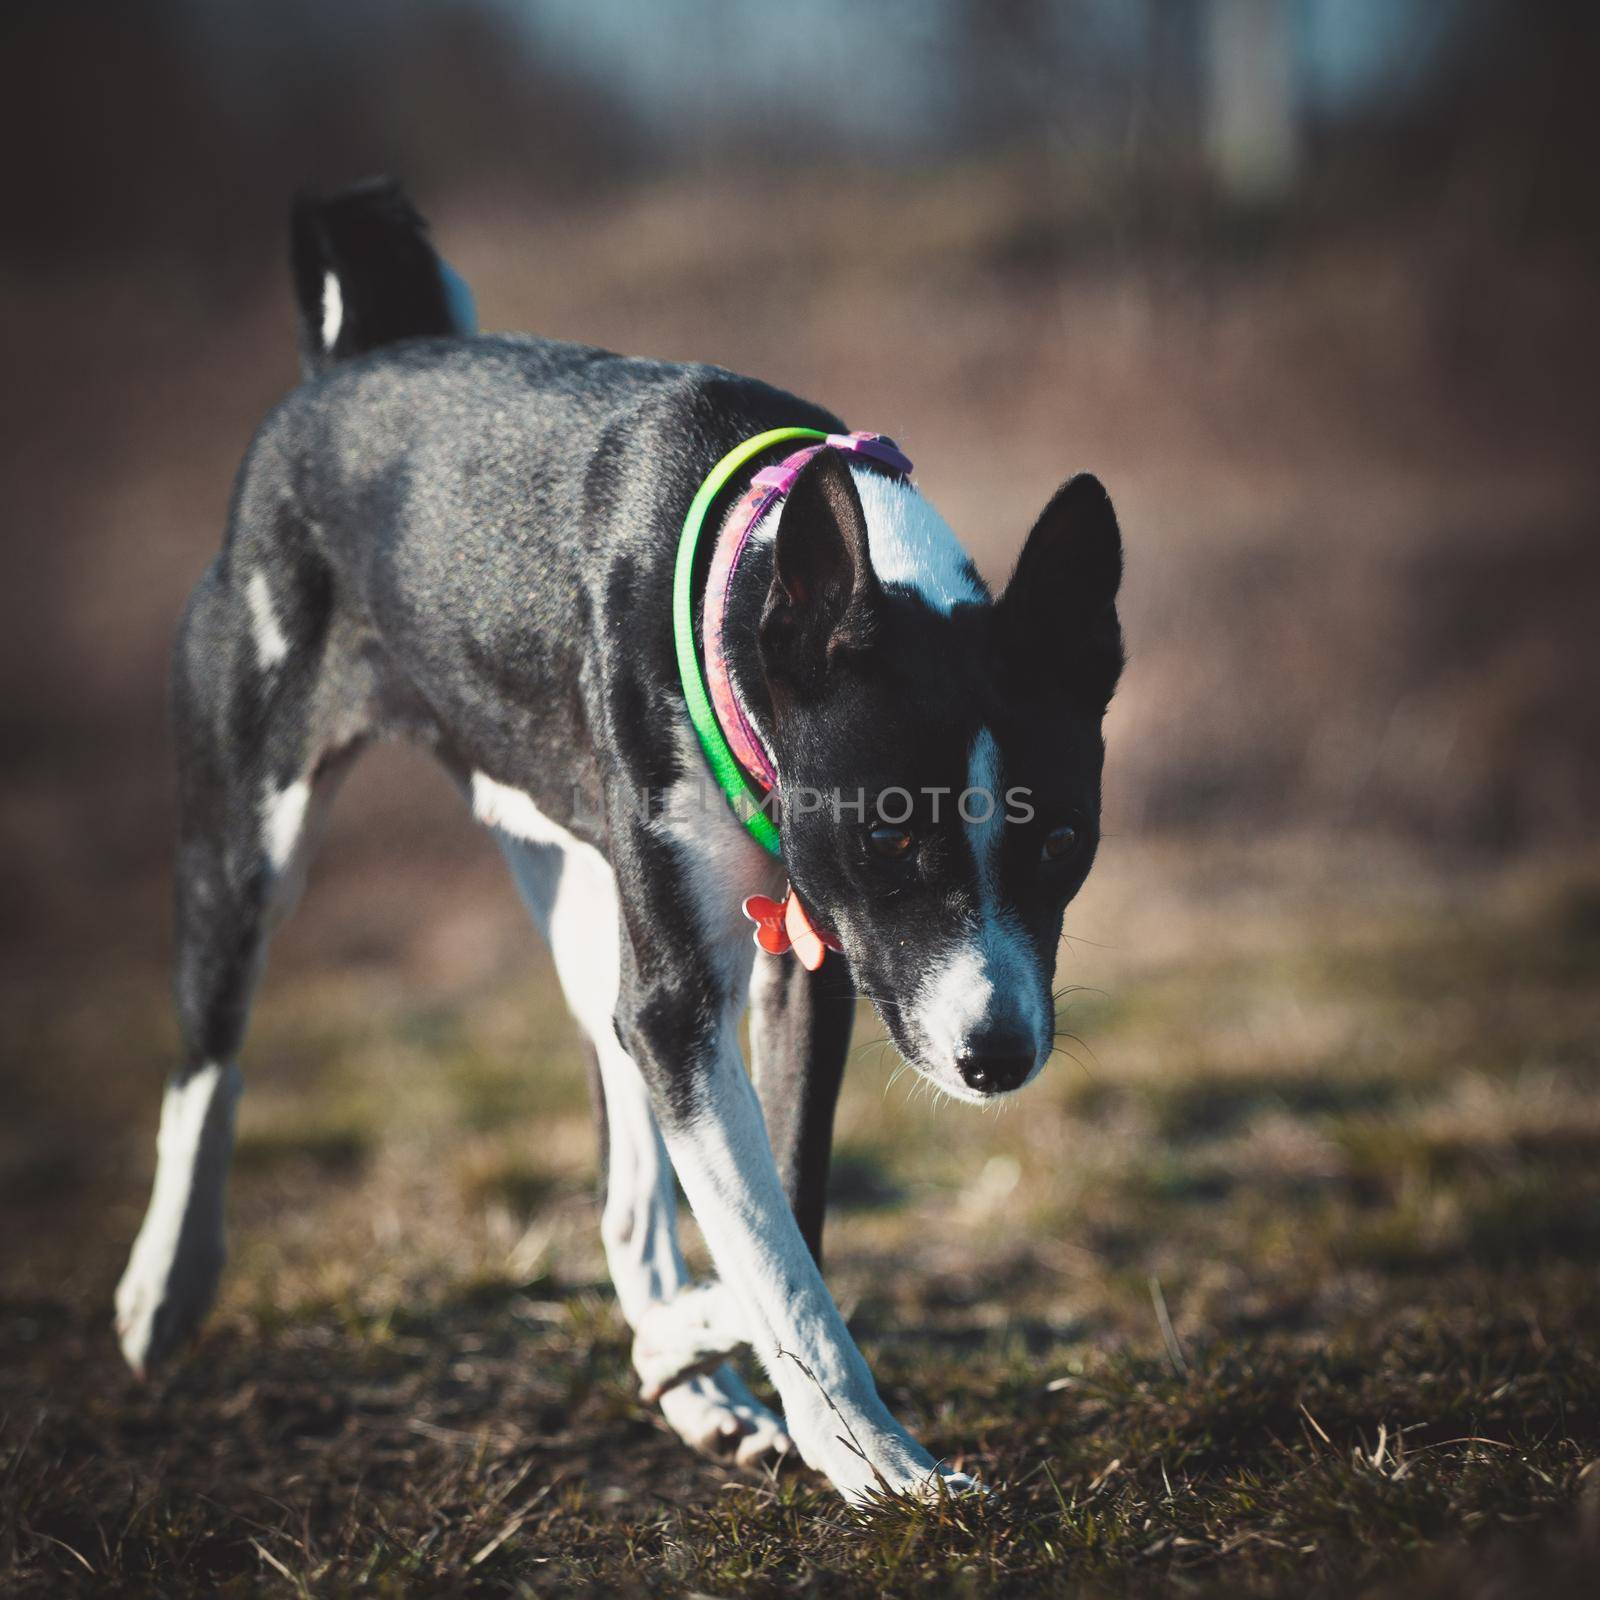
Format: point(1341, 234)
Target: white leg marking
point(717, 1415)
point(576, 906)
point(332, 310)
point(831, 1405)
point(575, 903)
point(271, 645)
point(282, 820)
point(990, 981)
point(292, 821)
point(172, 1272)
point(514, 813)
point(724, 1162)
point(693, 1332)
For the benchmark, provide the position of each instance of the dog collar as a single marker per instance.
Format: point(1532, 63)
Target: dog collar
point(738, 758)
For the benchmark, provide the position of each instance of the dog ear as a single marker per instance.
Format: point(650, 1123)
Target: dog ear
point(824, 595)
point(1056, 625)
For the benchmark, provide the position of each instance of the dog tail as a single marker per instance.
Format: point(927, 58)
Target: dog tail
point(365, 275)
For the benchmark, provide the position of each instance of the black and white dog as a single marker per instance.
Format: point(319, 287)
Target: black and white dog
point(469, 541)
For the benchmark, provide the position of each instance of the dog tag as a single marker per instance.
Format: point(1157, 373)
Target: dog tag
point(783, 925)
point(768, 916)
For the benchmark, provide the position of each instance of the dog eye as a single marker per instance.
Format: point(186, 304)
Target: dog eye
point(1059, 844)
point(893, 844)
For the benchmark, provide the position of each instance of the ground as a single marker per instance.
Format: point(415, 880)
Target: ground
point(1281, 1280)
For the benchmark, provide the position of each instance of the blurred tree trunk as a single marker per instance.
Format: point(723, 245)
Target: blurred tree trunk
point(1252, 121)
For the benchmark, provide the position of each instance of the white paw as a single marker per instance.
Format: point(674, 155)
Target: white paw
point(164, 1294)
point(693, 1333)
point(889, 1473)
point(718, 1416)
point(864, 1452)
point(940, 1482)
point(172, 1272)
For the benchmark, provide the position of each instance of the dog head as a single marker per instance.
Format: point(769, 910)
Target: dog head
point(940, 755)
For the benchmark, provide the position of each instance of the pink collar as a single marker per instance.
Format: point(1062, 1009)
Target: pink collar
point(767, 488)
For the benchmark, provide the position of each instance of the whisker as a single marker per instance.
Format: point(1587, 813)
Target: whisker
point(880, 1000)
point(1061, 1033)
point(1060, 1050)
point(1077, 988)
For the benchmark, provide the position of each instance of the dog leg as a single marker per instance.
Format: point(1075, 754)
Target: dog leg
point(684, 976)
point(172, 1272)
point(253, 778)
point(681, 1359)
point(708, 1111)
point(800, 1025)
point(831, 1406)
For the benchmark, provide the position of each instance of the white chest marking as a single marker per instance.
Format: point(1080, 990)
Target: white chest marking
point(721, 865)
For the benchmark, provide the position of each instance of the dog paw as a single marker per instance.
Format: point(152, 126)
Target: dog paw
point(847, 1434)
point(717, 1415)
point(161, 1303)
point(691, 1334)
point(941, 1482)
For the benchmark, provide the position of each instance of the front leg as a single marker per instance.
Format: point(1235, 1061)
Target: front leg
point(800, 1025)
point(718, 1143)
point(571, 894)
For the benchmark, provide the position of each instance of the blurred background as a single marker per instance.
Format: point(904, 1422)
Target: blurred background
point(1307, 282)
point(1310, 284)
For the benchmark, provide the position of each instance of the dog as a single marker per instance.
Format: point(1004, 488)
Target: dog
point(476, 542)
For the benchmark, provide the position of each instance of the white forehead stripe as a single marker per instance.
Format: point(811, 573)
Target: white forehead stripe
point(913, 546)
point(990, 979)
point(983, 818)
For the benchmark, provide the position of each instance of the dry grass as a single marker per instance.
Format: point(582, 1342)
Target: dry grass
point(1333, 1110)
point(1332, 1117)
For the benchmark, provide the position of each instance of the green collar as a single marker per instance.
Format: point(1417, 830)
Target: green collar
point(741, 794)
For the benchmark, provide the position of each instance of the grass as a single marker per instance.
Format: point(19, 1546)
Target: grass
point(1283, 1283)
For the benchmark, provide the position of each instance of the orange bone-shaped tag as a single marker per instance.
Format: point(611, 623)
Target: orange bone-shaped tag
point(783, 925)
point(768, 916)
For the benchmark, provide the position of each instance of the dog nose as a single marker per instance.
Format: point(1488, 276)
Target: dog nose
point(994, 1072)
